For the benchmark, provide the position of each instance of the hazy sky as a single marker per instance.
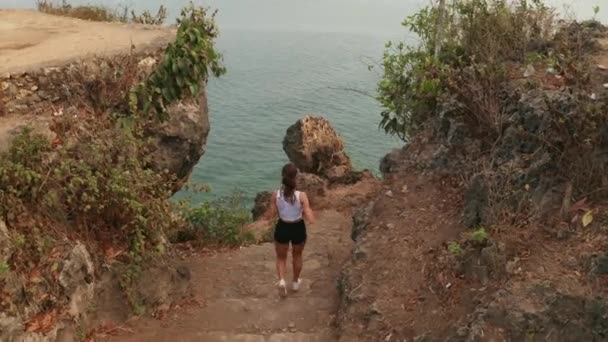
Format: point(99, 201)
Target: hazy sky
point(371, 16)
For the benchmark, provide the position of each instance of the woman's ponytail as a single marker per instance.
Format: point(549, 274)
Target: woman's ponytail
point(290, 173)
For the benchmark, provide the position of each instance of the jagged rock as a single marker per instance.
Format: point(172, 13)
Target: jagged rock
point(314, 147)
point(261, 204)
point(600, 265)
point(457, 133)
point(361, 220)
point(391, 162)
point(10, 129)
point(314, 186)
point(554, 317)
point(475, 201)
point(441, 158)
point(5, 246)
point(161, 286)
point(180, 142)
point(76, 278)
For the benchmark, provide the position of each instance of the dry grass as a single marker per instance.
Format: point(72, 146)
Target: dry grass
point(84, 12)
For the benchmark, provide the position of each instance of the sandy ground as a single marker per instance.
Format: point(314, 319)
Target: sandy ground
point(29, 39)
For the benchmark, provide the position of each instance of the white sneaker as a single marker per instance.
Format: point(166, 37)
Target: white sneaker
point(296, 285)
point(282, 288)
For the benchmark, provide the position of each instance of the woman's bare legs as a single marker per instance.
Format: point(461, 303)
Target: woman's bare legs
point(297, 251)
point(282, 250)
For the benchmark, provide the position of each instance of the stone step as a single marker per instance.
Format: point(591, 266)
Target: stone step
point(218, 336)
point(307, 313)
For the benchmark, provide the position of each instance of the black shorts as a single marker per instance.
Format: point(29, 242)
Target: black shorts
point(294, 232)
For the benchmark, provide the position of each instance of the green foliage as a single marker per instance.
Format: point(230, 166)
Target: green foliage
point(479, 37)
point(220, 221)
point(455, 248)
point(4, 268)
point(96, 185)
point(185, 67)
point(479, 235)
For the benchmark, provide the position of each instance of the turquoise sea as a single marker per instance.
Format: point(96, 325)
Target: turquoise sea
point(288, 58)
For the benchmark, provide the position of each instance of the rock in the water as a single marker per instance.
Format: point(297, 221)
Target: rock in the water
point(76, 278)
point(475, 201)
point(261, 204)
point(180, 142)
point(314, 147)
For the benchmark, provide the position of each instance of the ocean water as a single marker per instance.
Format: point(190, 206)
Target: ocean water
point(289, 58)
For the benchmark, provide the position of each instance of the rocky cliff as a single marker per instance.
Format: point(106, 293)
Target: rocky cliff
point(501, 240)
point(54, 265)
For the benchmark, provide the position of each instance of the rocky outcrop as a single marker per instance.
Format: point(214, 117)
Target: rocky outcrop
point(34, 98)
point(475, 202)
point(314, 186)
point(180, 142)
point(261, 204)
point(34, 322)
point(553, 316)
point(315, 147)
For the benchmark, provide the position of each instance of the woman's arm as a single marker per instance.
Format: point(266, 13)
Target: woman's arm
point(309, 216)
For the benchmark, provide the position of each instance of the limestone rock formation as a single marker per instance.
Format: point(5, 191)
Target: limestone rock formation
point(180, 141)
point(77, 286)
point(261, 204)
point(315, 147)
point(76, 278)
point(314, 186)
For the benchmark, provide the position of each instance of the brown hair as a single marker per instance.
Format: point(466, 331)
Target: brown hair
point(289, 173)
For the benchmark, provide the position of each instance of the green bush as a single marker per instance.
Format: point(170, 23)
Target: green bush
point(220, 222)
point(97, 185)
point(480, 38)
point(185, 67)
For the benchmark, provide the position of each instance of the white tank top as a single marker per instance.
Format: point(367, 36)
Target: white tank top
point(289, 212)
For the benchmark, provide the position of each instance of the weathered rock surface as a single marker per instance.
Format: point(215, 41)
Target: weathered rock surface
point(161, 286)
point(4, 242)
point(546, 315)
point(314, 186)
point(315, 147)
point(475, 202)
point(261, 204)
point(32, 99)
point(180, 142)
point(75, 279)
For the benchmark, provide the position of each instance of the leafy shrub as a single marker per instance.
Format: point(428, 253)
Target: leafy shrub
point(480, 38)
point(479, 235)
point(455, 248)
point(98, 185)
point(185, 66)
point(220, 221)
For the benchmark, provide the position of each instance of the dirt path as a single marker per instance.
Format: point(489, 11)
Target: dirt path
point(241, 302)
point(29, 39)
